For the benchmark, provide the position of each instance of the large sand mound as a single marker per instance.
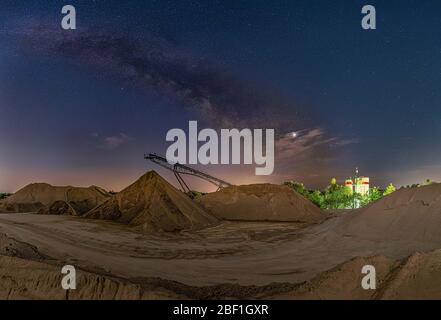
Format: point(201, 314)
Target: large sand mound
point(261, 202)
point(38, 196)
point(155, 205)
point(412, 214)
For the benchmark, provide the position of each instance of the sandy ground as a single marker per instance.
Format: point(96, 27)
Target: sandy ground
point(243, 253)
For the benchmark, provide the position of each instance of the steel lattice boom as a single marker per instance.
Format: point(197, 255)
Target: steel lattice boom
point(180, 169)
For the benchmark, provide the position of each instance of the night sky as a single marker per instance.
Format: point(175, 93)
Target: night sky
point(82, 107)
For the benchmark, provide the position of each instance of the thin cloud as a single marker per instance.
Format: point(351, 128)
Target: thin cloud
point(305, 141)
point(111, 142)
point(308, 155)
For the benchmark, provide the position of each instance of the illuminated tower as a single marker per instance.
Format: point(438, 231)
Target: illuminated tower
point(362, 186)
point(349, 184)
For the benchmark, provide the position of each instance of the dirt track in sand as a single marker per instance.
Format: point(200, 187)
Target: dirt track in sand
point(415, 277)
point(236, 253)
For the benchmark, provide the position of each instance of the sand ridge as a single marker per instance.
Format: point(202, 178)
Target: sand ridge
point(37, 196)
point(415, 277)
point(261, 202)
point(413, 214)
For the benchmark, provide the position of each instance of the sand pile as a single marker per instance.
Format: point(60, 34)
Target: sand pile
point(342, 281)
point(411, 214)
point(155, 205)
point(14, 248)
point(61, 207)
point(38, 196)
point(44, 282)
point(261, 202)
point(415, 277)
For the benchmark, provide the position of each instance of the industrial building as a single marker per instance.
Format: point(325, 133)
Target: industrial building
point(358, 185)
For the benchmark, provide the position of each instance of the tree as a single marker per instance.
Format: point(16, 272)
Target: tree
point(317, 198)
point(373, 195)
point(4, 195)
point(337, 197)
point(390, 189)
point(333, 185)
point(298, 187)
